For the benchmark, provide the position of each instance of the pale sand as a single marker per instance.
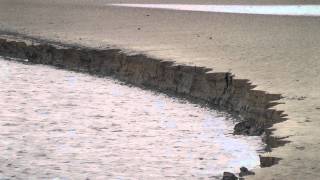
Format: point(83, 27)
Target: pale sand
point(280, 54)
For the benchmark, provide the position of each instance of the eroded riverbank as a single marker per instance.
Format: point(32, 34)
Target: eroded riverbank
point(279, 54)
point(215, 88)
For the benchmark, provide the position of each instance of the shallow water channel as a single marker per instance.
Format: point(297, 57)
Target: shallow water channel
point(289, 10)
point(57, 124)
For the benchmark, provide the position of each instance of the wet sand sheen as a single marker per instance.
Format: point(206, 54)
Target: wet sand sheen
point(61, 124)
point(290, 10)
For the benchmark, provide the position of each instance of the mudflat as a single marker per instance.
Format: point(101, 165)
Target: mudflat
point(279, 54)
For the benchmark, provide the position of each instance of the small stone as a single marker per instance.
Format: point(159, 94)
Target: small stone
point(300, 148)
point(200, 158)
point(301, 98)
point(268, 161)
point(248, 128)
point(242, 128)
point(139, 29)
point(245, 172)
point(229, 176)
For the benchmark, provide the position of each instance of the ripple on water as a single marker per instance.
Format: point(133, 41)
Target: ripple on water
point(61, 124)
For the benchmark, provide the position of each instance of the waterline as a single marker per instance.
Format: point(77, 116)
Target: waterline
point(291, 10)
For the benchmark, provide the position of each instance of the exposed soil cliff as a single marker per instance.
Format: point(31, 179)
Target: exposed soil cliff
point(218, 89)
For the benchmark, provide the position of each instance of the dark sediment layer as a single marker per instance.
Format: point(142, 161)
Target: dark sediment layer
point(219, 89)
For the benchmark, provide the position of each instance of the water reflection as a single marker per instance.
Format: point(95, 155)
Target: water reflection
point(66, 125)
point(293, 10)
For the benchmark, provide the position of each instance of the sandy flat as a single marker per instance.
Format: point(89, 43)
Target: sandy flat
point(280, 54)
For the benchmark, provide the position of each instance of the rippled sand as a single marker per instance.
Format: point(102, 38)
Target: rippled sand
point(56, 124)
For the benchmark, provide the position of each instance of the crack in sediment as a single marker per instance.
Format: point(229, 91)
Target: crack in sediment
point(218, 89)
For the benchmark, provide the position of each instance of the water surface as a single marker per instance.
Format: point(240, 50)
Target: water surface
point(57, 124)
point(292, 10)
